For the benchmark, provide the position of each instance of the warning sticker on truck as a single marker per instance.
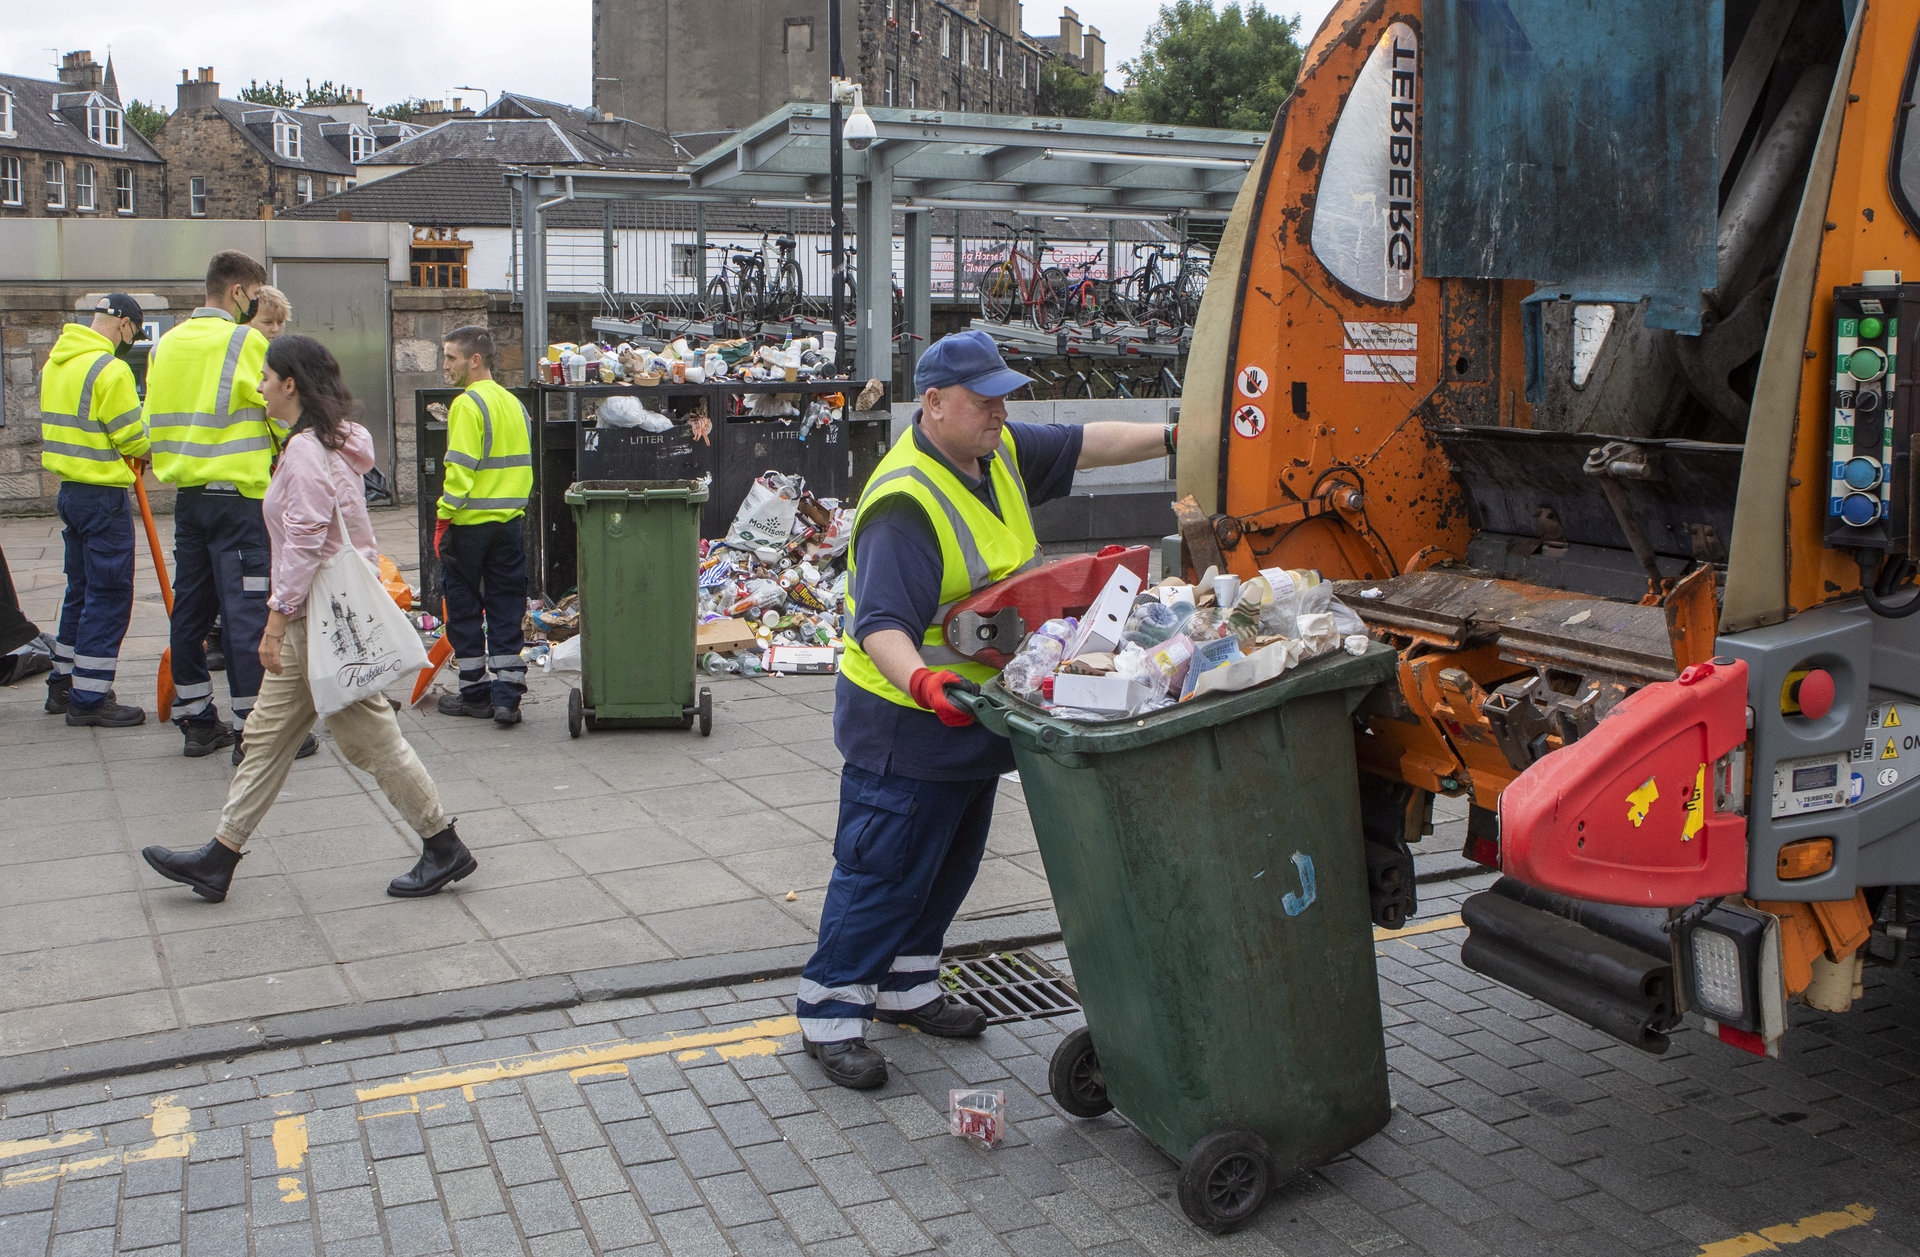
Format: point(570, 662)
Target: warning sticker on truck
point(1380, 369)
point(1383, 338)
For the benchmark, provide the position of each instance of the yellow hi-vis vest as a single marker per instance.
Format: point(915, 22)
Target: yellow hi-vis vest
point(89, 411)
point(205, 416)
point(489, 457)
point(977, 548)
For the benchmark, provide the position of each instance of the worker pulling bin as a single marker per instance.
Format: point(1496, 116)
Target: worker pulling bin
point(639, 555)
point(1207, 865)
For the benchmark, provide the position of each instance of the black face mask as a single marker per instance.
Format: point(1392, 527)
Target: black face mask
point(123, 349)
point(253, 308)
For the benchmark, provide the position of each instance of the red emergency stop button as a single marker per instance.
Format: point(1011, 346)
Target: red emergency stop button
point(1815, 694)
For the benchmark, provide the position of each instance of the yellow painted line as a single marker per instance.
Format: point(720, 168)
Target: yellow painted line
point(172, 1141)
point(290, 1153)
point(1451, 921)
point(754, 1037)
point(1768, 1239)
point(614, 1069)
point(10, 1149)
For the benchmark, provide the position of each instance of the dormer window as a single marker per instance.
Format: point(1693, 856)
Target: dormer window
point(360, 147)
point(103, 125)
point(286, 137)
point(6, 113)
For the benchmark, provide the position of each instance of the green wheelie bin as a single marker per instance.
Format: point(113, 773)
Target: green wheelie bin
point(1207, 865)
point(639, 566)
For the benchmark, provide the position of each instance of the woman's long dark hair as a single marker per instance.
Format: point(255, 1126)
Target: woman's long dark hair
point(325, 405)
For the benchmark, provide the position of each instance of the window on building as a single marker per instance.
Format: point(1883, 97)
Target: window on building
point(303, 188)
point(913, 93)
point(686, 261)
point(286, 138)
point(799, 38)
point(913, 15)
point(103, 126)
point(1000, 59)
point(83, 194)
point(333, 186)
point(889, 89)
point(197, 197)
point(56, 185)
point(360, 148)
point(946, 100)
point(6, 113)
point(1023, 71)
point(946, 38)
point(966, 45)
point(10, 189)
point(441, 263)
point(123, 189)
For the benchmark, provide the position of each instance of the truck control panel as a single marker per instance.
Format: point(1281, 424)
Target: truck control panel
point(1869, 499)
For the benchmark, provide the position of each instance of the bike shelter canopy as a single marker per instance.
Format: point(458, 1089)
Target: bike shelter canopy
point(920, 160)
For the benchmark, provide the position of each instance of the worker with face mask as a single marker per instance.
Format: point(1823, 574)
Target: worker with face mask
point(90, 426)
point(212, 438)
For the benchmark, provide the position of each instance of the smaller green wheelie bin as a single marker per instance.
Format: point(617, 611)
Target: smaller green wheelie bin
point(1207, 864)
point(639, 565)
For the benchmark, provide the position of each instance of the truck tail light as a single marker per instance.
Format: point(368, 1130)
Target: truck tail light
point(1730, 975)
point(1805, 857)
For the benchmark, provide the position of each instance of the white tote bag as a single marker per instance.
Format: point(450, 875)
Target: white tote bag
point(358, 642)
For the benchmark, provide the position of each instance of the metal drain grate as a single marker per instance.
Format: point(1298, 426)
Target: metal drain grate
point(1011, 986)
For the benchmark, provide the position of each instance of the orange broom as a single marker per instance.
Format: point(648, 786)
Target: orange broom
point(165, 691)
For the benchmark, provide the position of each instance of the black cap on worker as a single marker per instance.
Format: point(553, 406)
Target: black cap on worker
point(121, 306)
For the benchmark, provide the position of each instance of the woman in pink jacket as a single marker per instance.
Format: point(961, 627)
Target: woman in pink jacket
point(316, 483)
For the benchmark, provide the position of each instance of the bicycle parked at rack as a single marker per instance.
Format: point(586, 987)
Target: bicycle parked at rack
point(853, 295)
point(1157, 302)
point(1020, 285)
point(748, 292)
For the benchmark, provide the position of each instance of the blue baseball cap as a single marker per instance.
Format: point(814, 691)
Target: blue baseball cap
point(971, 360)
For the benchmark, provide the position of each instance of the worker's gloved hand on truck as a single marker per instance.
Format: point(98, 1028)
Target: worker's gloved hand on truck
point(929, 689)
point(440, 534)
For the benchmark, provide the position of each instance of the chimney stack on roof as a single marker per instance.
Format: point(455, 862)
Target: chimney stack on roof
point(79, 71)
point(1093, 53)
point(197, 94)
point(1070, 34)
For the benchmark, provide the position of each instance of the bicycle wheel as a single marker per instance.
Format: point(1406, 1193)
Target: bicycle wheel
point(719, 299)
point(1189, 290)
point(999, 293)
point(1049, 309)
point(1086, 302)
point(783, 299)
point(753, 296)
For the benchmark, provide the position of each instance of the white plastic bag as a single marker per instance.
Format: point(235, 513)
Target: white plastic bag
point(565, 656)
point(765, 517)
point(358, 642)
point(631, 412)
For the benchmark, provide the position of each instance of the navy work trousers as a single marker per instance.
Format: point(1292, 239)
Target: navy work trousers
point(483, 571)
point(99, 602)
point(904, 857)
point(222, 565)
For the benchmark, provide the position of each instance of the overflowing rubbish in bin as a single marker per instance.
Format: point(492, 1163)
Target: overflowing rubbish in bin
point(682, 362)
point(773, 592)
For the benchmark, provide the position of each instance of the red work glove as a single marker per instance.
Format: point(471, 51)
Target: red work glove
point(929, 689)
point(440, 534)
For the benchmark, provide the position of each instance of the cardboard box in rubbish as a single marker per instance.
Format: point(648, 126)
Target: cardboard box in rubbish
point(1103, 693)
point(723, 636)
point(1106, 620)
point(800, 659)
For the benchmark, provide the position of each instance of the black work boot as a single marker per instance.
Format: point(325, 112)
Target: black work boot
point(850, 1063)
point(506, 717)
point(308, 747)
point(59, 694)
point(208, 870)
point(947, 1017)
point(459, 705)
point(444, 859)
point(204, 737)
point(110, 714)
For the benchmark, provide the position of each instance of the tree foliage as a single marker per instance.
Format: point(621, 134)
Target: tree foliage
point(1067, 93)
point(1202, 68)
point(278, 95)
point(144, 118)
point(274, 95)
point(401, 110)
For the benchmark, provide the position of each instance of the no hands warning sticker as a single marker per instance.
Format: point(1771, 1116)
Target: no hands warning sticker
point(1253, 382)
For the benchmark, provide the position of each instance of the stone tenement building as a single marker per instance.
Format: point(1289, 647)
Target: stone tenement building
point(66, 150)
point(232, 159)
point(720, 66)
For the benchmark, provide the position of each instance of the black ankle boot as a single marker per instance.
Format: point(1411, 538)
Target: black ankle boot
point(208, 870)
point(445, 859)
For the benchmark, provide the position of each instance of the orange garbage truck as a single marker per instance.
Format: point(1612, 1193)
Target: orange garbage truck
point(1581, 344)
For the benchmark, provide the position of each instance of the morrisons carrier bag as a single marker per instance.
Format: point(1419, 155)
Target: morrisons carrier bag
point(358, 642)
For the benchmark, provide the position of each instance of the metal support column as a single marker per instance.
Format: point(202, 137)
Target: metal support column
point(606, 246)
point(919, 294)
point(700, 251)
point(873, 227)
point(533, 269)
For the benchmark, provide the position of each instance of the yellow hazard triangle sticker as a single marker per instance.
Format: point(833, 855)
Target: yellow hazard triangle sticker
point(1696, 807)
point(1892, 751)
point(1641, 801)
point(1893, 718)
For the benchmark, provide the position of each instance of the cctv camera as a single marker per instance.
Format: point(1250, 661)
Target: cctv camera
point(859, 130)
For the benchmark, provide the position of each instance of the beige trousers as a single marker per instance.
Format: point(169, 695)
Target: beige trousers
point(367, 733)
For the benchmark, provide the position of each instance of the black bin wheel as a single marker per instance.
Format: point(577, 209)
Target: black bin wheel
point(576, 716)
point(1225, 1180)
point(1074, 1077)
point(706, 712)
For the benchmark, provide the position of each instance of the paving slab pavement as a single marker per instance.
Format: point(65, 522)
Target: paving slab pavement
point(622, 860)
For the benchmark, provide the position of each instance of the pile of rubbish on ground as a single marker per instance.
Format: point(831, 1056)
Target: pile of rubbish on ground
point(682, 362)
point(773, 592)
point(1139, 650)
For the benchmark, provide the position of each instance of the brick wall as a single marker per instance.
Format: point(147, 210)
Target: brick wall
point(946, 82)
point(149, 186)
point(240, 180)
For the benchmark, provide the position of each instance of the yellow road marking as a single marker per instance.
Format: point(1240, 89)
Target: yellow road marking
point(290, 1142)
point(1769, 1238)
point(566, 1060)
point(172, 1140)
point(613, 1070)
point(1451, 921)
point(12, 1148)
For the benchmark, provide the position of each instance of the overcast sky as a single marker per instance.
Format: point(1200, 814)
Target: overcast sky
point(542, 50)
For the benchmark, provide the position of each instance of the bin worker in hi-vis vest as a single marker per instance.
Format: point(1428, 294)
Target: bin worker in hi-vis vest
point(946, 513)
point(213, 441)
point(479, 537)
point(89, 427)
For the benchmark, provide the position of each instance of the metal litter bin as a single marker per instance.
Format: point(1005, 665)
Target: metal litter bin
point(638, 549)
point(1208, 868)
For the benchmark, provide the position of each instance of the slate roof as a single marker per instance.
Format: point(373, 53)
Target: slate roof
point(36, 127)
point(528, 131)
point(255, 122)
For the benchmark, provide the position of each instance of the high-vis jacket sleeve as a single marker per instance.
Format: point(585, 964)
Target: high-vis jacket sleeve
point(116, 403)
point(464, 451)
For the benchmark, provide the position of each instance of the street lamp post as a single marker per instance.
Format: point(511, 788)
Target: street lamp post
point(837, 193)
